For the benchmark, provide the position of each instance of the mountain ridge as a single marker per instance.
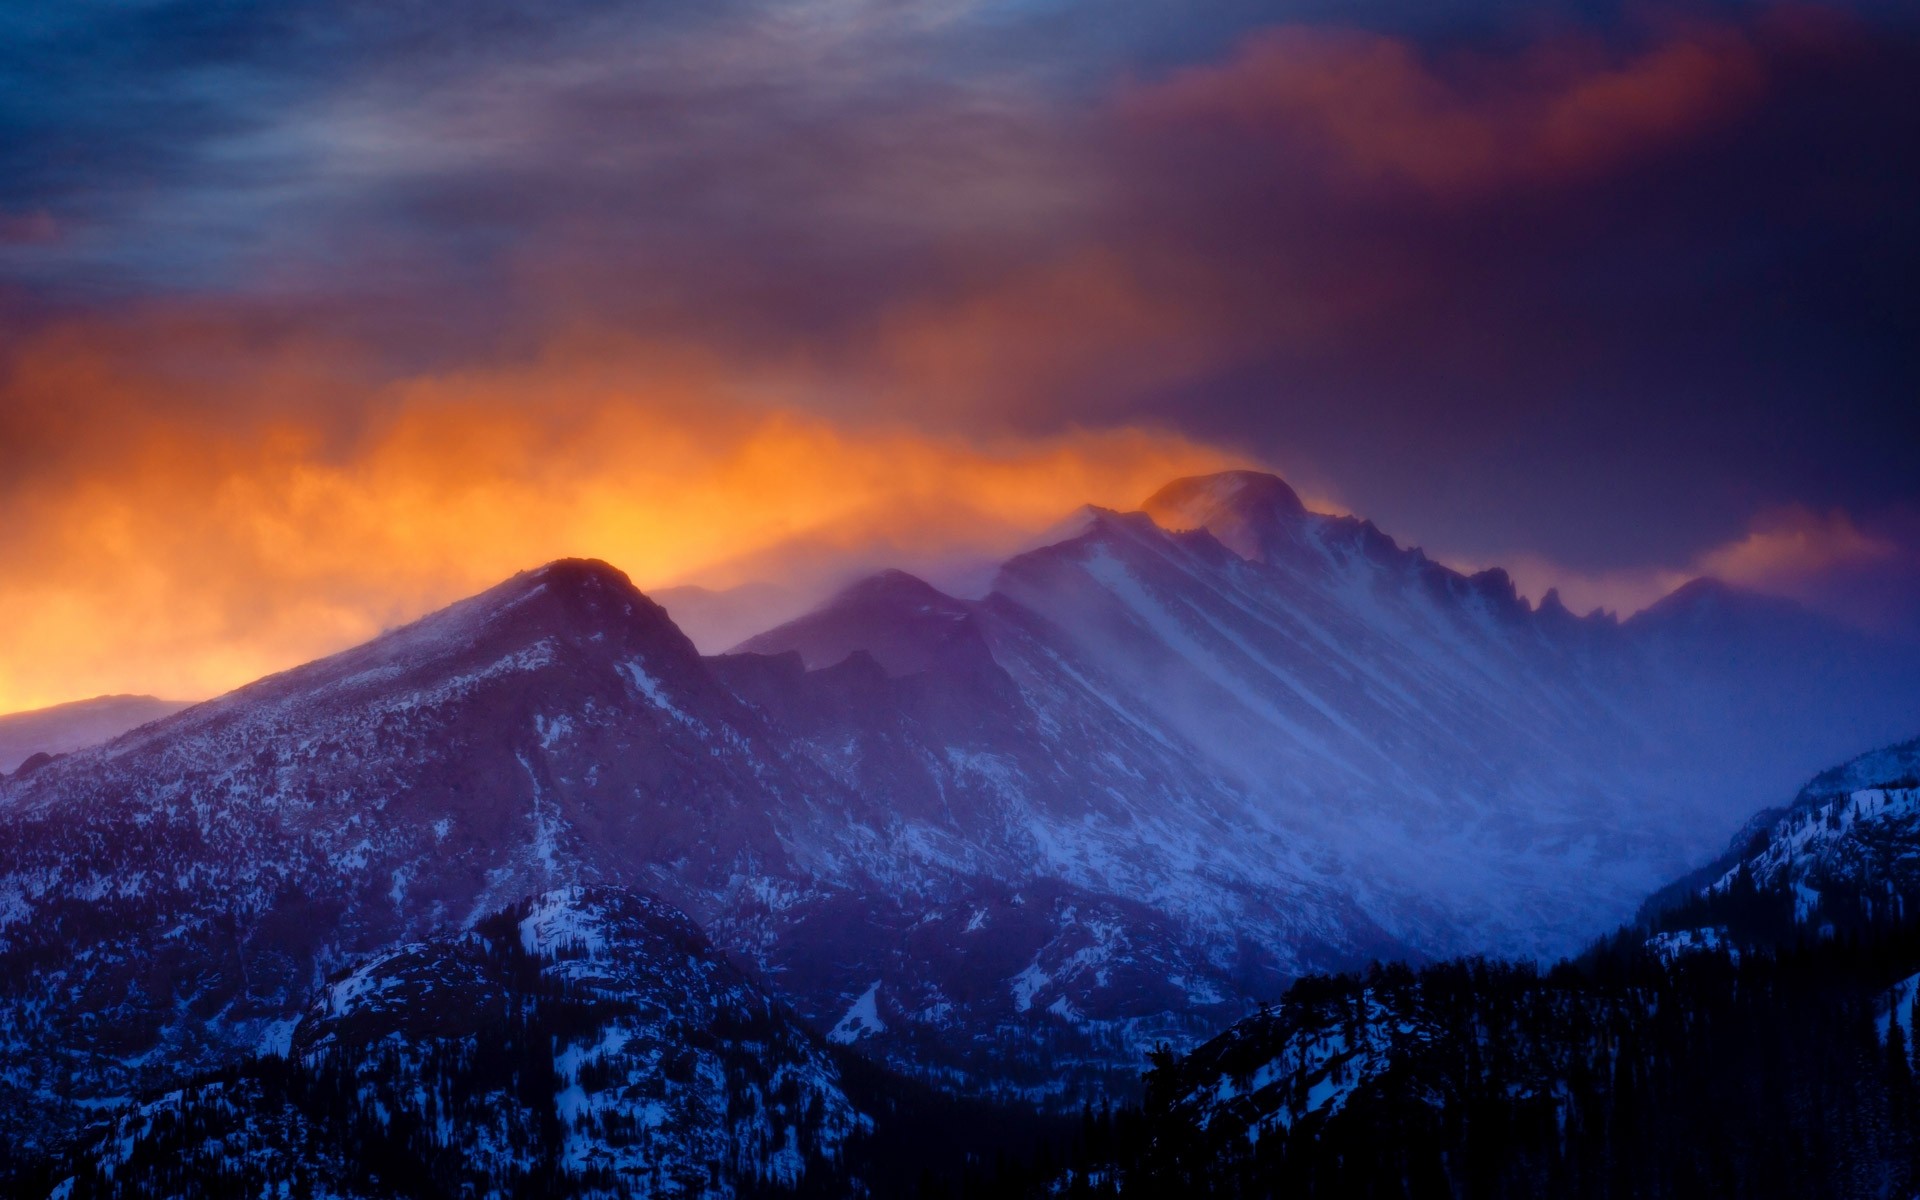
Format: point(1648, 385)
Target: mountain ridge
point(1137, 787)
point(1748, 1036)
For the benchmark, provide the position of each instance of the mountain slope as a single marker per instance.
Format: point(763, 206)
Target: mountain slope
point(1845, 855)
point(1418, 756)
point(216, 863)
point(1005, 845)
point(1763, 1056)
point(585, 1043)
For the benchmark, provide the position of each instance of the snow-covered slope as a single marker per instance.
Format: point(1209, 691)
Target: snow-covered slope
point(1863, 845)
point(1004, 844)
point(169, 900)
point(1418, 735)
point(1417, 759)
point(1390, 1038)
point(1846, 852)
point(65, 728)
point(587, 1043)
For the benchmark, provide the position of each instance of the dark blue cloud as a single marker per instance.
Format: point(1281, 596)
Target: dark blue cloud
point(1622, 368)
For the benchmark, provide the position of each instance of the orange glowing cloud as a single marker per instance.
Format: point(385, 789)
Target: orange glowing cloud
point(1790, 551)
point(1088, 327)
point(183, 531)
point(1378, 109)
point(1790, 544)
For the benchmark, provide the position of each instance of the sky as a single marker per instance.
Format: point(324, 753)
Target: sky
point(316, 314)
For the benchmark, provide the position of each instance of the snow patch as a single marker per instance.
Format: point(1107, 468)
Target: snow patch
point(1026, 984)
point(862, 1019)
point(558, 923)
point(654, 691)
point(276, 1040)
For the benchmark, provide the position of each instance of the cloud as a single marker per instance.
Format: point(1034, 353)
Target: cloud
point(37, 228)
point(1790, 544)
point(1377, 109)
point(1598, 293)
point(183, 536)
point(1473, 282)
point(1867, 575)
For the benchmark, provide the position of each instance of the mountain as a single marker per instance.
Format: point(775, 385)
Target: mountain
point(1767, 1054)
point(588, 1042)
point(216, 864)
point(1843, 856)
point(716, 618)
point(901, 621)
point(1001, 845)
point(65, 728)
point(1417, 755)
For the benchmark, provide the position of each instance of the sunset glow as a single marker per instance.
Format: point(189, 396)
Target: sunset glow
point(194, 556)
point(906, 598)
point(716, 297)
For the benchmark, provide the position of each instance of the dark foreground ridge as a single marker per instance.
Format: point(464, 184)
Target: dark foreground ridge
point(1753, 1035)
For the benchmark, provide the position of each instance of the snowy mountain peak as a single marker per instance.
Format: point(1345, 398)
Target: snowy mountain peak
point(1244, 509)
point(580, 576)
point(567, 616)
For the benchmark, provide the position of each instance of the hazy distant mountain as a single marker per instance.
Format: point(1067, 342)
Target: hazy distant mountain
point(1003, 844)
point(65, 728)
point(1442, 750)
point(715, 619)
